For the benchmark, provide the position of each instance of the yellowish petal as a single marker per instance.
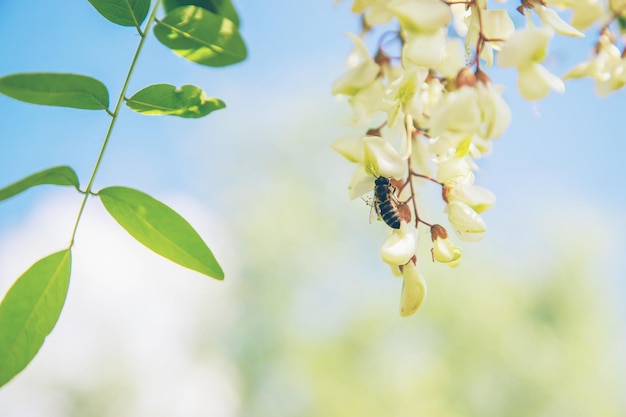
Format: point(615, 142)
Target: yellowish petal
point(413, 290)
point(382, 159)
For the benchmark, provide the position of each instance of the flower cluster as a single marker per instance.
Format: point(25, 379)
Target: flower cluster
point(428, 110)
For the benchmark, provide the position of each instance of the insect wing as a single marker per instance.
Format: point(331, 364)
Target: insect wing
point(374, 212)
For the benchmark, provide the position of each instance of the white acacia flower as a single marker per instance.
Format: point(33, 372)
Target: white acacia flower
point(400, 246)
point(525, 50)
point(361, 75)
point(463, 189)
point(381, 159)
point(468, 225)
point(607, 67)
point(413, 290)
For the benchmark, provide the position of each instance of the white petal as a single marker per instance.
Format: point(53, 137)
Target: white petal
point(424, 49)
point(400, 246)
point(446, 252)
point(380, 15)
point(586, 12)
point(497, 24)
point(361, 183)
point(460, 16)
point(413, 290)
point(457, 112)
point(584, 69)
point(350, 148)
point(421, 15)
point(382, 159)
point(524, 47)
point(368, 102)
point(356, 79)
point(478, 198)
point(453, 58)
point(496, 113)
point(360, 49)
point(452, 169)
point(468, 225)
point(535, 82)
point(551, 18)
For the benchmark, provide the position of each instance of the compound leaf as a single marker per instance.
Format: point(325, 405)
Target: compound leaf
point(160, 229)
point(55, 89)
point(30, 311)
point(189, 101)
point(61, 175)
point(223, 8)
point(201, 36)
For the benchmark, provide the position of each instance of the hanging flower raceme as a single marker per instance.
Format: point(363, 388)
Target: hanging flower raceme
point(428, 111)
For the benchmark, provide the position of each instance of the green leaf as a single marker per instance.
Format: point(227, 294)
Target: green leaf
point(54, 89)
point(201, 36)
point(621, 21)
point(223, 8)
point(189, 101)
point(160, 228)
point(123, 12)
point(30, 310)
point(62, 175)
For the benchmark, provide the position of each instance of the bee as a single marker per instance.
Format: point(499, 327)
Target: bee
point(386, 203)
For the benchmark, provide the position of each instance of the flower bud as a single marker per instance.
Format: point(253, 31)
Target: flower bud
point(465, 77)
point(443, 250)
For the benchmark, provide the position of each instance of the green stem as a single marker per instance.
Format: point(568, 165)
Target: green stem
point(114, 115)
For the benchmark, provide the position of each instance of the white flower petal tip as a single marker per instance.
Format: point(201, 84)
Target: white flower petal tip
point(535, 82)
point(463, 189)
point(550, 17)
point(361, 183)
point(361, 74)
point(444, 251)
point(524, 47)
point(421, 15)
point(350, 148)
point(413, 290)
point(382, 159)
point(497, 25)
point(400, 246)
point(468, 225)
